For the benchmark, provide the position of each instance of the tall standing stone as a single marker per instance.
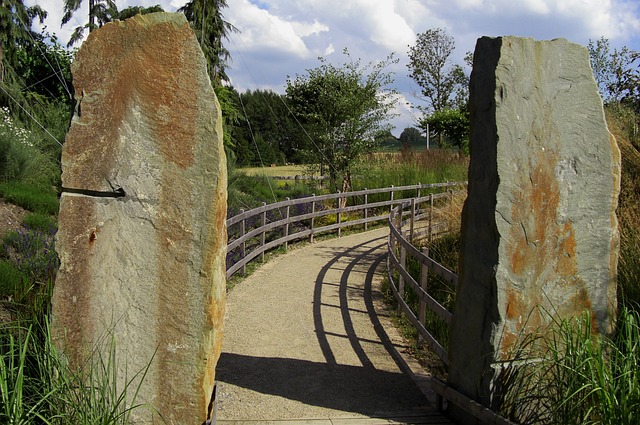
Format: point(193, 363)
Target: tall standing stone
point(539, 229)
point(142, 234)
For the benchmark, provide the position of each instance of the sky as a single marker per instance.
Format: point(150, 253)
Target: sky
point(280, 38)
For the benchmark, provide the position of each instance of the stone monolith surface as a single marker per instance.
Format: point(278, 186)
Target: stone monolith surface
point(142, 234)
point(539, 229)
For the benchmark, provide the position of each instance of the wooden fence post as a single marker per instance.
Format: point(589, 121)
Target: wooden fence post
point(366, 210)
point(430, 218)
point(422, 311)
point(313, 218)
point(392, 240)
point(262, 236)
point(243, 247)
point(338, 219)
point(286, 226)
point(450, 210)
point(419, 187)
point(391, 198)
point(412, 219)
point(403, 265)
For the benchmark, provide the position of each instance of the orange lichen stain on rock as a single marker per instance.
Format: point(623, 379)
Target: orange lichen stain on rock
point(542, 254)
point(74, 287)
point(140, 67)
point(566, 265)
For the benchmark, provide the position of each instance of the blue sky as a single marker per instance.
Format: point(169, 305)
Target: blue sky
point(285, 37)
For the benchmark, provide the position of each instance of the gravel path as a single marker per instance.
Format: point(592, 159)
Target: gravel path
point(303, 340)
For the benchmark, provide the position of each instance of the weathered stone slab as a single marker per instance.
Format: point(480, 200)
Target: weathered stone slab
point(539, 232)
point(142, 234)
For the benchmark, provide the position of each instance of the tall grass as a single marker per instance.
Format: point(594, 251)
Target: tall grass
point(570, 375)
point(623, 123)
point(408, 168)
point(37, 384)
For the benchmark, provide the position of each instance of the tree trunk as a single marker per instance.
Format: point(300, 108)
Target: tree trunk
point(346, 187)
point(92, 18)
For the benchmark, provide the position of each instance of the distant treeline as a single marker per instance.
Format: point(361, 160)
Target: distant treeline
point(266, 132)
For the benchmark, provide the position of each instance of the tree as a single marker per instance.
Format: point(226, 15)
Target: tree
point(210, 27)
point(100, 12)
point(15, 31)
point(266, 115)
point(411, 136)
point(614, 72)
point(342, 109)
point(431, 69)
point(452, 127)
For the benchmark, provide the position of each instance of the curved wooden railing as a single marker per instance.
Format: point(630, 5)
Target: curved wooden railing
point(399, 246)
point(251, 233)
point(404, 230)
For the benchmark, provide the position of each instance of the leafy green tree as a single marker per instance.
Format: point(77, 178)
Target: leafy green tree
point(267, 115)
point(616, 72)
point(211, 29)
point(15, 32)
point(430, 67)
point(451, 126)
point(35, 76)
point(99, 13)
point(342, 109)
point(411, 136)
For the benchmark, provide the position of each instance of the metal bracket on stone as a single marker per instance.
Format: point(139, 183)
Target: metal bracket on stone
point(117, 193)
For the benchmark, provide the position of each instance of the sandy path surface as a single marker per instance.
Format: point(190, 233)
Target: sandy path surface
point(303, 340)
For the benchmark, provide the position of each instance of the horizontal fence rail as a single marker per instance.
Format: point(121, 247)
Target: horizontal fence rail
point(252, 233)
point(400, 246)
point(412, 215)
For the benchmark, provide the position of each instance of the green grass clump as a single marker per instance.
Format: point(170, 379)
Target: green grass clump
point(570, 375)
point(40, 222)
point(10, 278)
point(31, 197)
point(37, 384)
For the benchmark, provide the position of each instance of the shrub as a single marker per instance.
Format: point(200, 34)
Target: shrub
point(22, 155)
point(32, 252)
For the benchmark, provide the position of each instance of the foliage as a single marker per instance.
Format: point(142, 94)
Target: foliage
point(342, 109)
point(32, 252)
point(100, 12)
point(568, 374)
point(622, 122)
point(443, 85)
point(268, 133)
point(411, 136)
point(37, 385)
point(131, 11)
point(23, 154)
point(30, 197)
point(452, 127)
point(210, 27)
point(15, 30)
point(10, 278)
point(407, 168)
point(231, 115)
point(614, 72)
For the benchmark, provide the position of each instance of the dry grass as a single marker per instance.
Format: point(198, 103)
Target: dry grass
point(278, 171)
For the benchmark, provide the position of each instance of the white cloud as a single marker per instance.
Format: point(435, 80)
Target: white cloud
point(284, 37)
point(260, 30)
point(305, 29)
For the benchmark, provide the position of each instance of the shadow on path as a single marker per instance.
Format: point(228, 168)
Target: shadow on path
point(361, 389)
